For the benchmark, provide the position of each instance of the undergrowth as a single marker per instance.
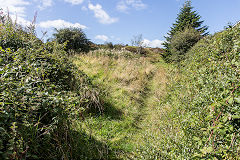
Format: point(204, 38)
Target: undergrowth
point(204, 93)
point(42, 92)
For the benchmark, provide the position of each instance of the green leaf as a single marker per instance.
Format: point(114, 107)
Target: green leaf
point(196, 138)
point(206, 150)
point(237, 100)
point(235, 116)
point(230, 101)
point(225, 119)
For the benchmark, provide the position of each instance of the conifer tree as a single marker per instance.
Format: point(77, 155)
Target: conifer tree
point(186, 18)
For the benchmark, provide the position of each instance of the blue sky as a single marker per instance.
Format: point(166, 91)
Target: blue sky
point(118, 21)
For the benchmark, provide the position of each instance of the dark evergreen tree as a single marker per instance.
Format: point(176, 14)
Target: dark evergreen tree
point(186, 18)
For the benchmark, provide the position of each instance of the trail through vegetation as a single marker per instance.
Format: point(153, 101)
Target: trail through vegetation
point(135, 87)
point(118, 102)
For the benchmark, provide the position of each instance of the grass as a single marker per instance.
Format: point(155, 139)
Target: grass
point(133, 87)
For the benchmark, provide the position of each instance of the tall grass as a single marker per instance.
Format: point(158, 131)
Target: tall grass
point(131, 83)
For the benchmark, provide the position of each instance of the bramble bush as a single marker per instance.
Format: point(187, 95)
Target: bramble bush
point(214, 68)
point(206, 100)
point(41, 91)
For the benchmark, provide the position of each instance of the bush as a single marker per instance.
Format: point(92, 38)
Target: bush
point(182, 41)
point(137, 50)
point(75, 38)
point(14, 36)
point(41, 91)
point(206, 100)
point(118, 46)
point(109, 45)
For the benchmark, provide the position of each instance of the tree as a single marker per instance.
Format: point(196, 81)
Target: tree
point(182, 41)
point(186, 18)
point(75, 38)
point(109, 45)
point(138, 42)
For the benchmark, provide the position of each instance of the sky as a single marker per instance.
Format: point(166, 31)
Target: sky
point(118, 21)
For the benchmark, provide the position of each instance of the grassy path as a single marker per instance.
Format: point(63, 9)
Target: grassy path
point(133, 89)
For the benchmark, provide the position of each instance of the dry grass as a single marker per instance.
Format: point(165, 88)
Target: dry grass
point(136, 86)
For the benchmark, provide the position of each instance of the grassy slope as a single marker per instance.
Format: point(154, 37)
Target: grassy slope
point(154, 114)
point(134, 89)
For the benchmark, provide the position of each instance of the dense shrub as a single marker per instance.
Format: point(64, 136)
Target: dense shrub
point(215, 70)
point(14, 36)
point(137, 50)
point(118, 46)
point(76, 39)
point(41, 91)
point(182, 41)
point(109, 45)
point(206, 100)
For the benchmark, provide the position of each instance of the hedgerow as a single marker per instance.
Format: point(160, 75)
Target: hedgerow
point(41, 91)
point(206, 100)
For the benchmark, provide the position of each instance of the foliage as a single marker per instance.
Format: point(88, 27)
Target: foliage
point(205, 100)
point(115, 54)
point(118, 46)
point(216, 70)
point(137, 50)
point(41, 93)
point(186, 18)
point(137, 41)
point(109, 45)
point(75, 38)
point(14, 36)
point(182, 41)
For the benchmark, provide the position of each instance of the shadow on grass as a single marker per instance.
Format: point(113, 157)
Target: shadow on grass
point(110, 111)
point(87, 147)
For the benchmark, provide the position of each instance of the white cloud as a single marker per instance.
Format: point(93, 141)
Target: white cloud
point(60, 24)
point(154, 44)
point(122, 6)
point(45, 4)
point(125, 5)
point(101, 15)
point(102, 37)
point(74, 2)
point(84, 8)
point(20, 20)
point(16, 7)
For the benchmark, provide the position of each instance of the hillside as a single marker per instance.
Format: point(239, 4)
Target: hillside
point(133, 86)
point(158, 111)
